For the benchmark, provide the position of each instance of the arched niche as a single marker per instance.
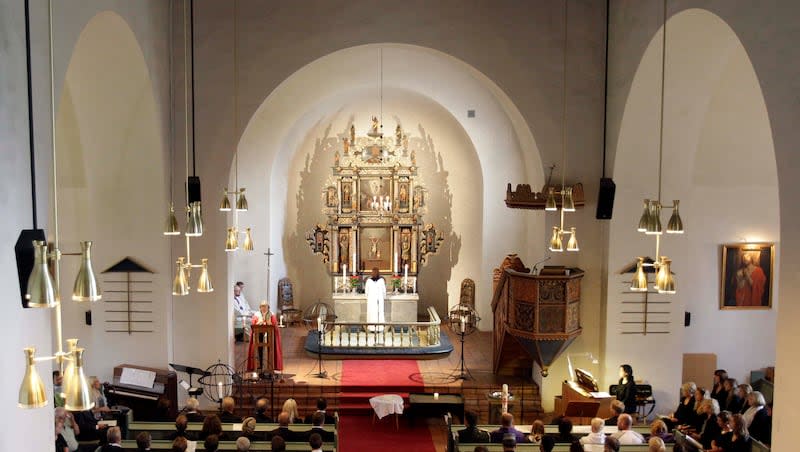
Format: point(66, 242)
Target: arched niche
point(502, 147)
point(112, 186)
point(719, 161)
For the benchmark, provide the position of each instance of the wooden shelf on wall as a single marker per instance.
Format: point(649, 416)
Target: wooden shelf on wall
point(525, 198)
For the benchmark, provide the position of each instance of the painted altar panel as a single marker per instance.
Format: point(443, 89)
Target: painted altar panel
point(376, 249)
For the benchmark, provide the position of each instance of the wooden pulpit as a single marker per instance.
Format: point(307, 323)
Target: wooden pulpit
point(264, 341)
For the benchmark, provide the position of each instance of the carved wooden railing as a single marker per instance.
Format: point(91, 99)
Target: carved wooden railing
point(386, 334)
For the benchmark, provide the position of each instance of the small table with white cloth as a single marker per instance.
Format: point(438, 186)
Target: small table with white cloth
point(384, 405)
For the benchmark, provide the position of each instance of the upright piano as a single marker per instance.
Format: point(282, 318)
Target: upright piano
point(151, 399)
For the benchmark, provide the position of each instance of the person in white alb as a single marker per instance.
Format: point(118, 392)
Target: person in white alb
point(375, 289)
point(242, 311)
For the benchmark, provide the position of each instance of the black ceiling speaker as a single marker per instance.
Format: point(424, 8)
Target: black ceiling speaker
point(24, 253)
point(605, 200)
point(193, 187)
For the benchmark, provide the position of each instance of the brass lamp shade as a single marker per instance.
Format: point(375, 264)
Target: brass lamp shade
point(77, 396)
point(665, 283)
point(171, 225)
point(72, 345)
point(232, 241)
point(550, 204)
point(248, 240)
point(32, 393)
point(639, 281)
point(41, 291)
point(572, 244)
point(195, 223)
point(204, 284)
point(241, 201)
point(556, 244)
point(675, 224)
point(86, 288)
point(180, 286)
point(568, 205)
point(654, 223)
point(645, 218)
point(225, 205)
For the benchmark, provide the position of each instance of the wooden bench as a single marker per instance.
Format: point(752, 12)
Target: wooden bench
point(159, 444)
point(550, 428)
point(160, 430)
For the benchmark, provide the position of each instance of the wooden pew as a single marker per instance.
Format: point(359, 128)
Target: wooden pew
point(551, 428)
point(160, 430)
point(159, 444)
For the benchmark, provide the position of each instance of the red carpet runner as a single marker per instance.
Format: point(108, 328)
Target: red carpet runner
point(380, 372)
point(362, 379)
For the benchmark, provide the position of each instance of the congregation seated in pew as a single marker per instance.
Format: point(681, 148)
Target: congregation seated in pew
point(507, 426)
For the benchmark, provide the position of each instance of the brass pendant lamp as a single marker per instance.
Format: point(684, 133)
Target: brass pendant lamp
point(232, 237)
point(194, 210)
point(43, 289)
point(556, 244)
point(650, 220)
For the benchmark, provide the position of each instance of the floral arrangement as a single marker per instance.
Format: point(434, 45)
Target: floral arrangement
point(396, 281)
point(354, 280)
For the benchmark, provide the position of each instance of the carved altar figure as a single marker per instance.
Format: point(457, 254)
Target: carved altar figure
point(344, 247)
point(331, 198)
point(336, 158)
point(468, 292)
point(375, 125)
point(403, 197)
point(353, 134)
point(347, 197)
point(398, 135)
point(346, 143)
point(419, 198)
point(405, 247)
point(413, 158)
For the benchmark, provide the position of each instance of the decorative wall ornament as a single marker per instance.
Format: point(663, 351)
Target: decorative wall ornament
point(318, 241)
point(467, 296)
point(429, 242)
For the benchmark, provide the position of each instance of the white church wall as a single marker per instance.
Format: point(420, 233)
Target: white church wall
point(718, 157)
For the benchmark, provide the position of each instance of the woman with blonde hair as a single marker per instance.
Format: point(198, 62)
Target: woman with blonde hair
point(709, 430)
point(290, 406)
point(740, 441)
point(659, 429)
point(684, 414)
point(97, 395)
point(656, 445)
point(537, 432)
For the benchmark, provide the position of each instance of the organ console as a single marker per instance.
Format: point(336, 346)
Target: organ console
point(580, 400)
point(151, 399)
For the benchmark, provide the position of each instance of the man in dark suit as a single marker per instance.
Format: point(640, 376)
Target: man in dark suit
point(322, 405)
point(472, 434)
point(227, 416)
point(283, 429)
point(317, 426)
point(261, 412)
point(181, 424)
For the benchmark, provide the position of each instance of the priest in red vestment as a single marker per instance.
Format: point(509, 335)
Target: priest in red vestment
point(261, 318)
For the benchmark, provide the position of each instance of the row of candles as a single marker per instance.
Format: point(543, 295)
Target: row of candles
point(405, 277)
point(383, 203)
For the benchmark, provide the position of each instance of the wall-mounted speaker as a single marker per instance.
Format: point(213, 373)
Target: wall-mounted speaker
point(605, 200)
point(193, 188)
point(88, 317)
point(687, 318)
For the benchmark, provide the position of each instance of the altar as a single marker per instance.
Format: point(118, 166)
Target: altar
point(352, 307)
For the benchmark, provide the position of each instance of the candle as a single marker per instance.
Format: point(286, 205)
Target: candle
point(435, 396)
point(505, 390)
point(220, 390)
point(396, 262)
point(344, 274)
point(355, 263)
point(319, 324)
point(281, 319)
point(463, 325)
point(415, 285)
point(405, 277)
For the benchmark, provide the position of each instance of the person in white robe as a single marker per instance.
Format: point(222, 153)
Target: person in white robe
point(375, 289)
point(242, 312)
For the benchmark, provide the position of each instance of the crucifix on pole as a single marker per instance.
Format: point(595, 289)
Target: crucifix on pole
point(269, 254)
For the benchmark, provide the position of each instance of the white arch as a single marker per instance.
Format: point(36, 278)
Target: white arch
point(504, 145)
point(715, 122)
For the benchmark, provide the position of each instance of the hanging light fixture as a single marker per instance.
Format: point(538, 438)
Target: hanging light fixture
point(43, 289)
point(650, 221)
point(232, 238)
point(194, 209)
point(567, 201)
point(31, 392)
point(171, 226)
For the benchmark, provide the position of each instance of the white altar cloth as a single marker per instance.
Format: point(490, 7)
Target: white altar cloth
point(386, 404)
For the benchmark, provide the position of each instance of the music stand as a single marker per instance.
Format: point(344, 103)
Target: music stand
point(193, 392)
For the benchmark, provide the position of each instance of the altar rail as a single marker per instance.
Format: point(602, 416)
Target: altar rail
point(387, 334)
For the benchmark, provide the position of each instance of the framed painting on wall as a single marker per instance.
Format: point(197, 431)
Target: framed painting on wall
point(746, 281)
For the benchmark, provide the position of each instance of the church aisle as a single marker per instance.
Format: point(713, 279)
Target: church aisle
point(358, 433)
